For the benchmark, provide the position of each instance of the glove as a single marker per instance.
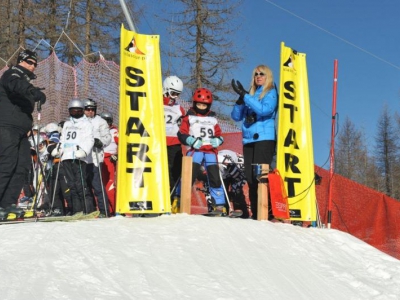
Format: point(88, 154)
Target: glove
point(216, 141)
point(194, 142)
point(51, 147)
point(238, 88)
point(114, 158)
point(79, 153)
point(56, 150)
point(97, 143)
point(240, 101)
point(38, 95)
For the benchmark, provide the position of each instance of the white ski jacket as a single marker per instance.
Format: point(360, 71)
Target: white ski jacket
point(76, 134)
point(101, 131)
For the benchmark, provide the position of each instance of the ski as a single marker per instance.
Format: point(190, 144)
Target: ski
point(93, 215)
point(75, 217)
point(232, 214)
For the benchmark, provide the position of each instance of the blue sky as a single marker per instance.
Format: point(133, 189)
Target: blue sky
point(362, 35)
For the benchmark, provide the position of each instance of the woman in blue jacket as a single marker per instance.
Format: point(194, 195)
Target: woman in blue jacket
point(257, 110)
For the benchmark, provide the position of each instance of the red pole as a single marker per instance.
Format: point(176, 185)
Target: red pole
point(332, 151)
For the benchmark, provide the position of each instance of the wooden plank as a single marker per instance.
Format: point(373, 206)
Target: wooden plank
point(186, 185)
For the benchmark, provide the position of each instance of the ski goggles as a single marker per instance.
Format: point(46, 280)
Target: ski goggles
point(32, 63)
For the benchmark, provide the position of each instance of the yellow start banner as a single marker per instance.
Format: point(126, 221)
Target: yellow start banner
point(142, 176)
point(295, 158)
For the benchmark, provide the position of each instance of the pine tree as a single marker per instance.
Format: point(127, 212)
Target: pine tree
point(200, 35)
point(386, 150)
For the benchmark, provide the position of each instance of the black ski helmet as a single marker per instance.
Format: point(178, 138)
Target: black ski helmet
point(25, 54)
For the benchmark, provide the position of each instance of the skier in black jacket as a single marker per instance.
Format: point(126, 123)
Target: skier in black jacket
point(17, 102)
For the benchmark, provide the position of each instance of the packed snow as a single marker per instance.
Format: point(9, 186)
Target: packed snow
point(189, 257)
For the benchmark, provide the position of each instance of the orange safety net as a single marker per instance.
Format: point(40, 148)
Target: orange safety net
point(99, 81)
point(360, 211)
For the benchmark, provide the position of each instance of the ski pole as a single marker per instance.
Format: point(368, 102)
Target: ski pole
point(39, 166)
point(226, 194)
point(175, 186)
point(39, 109)
point(101, 182)
point(55, 185)
point(83, 184)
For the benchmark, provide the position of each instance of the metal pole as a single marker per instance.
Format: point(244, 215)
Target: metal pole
point(127, 15)
point(83, 186)
point(226, 193)
point(332, 151)
point(101, 183)
point(55, 184)
point(36, 145)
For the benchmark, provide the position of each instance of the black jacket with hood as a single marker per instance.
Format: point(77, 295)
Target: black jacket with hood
point(17, 98)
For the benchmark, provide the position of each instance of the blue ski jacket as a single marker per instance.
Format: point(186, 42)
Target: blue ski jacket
point(258, 116)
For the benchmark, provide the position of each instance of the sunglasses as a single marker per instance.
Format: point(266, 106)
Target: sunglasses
point(259, 74)
point(173, 94)
point(90, 109)
point(29, 62)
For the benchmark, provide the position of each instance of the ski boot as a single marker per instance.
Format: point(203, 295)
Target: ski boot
point(210, 203)
point(25, 203)
point(11, 213)
point(175, 205)
point(220, 210)
point(3, 214)
point(57, 212)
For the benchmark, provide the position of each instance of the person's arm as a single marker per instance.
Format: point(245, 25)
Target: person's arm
point(183, 132)
point(20, 89)
point(105, 134)
point(237, 112)
point(264, 107)
point(86, 140)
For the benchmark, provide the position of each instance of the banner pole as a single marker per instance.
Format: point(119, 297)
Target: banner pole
point(127, 16)
point(332, 150)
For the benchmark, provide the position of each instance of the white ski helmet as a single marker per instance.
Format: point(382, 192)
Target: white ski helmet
point(172, 86)
point(42, 130)
point(75, 103)
point(52, 127)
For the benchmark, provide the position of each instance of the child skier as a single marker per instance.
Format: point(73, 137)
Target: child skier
point(173, 114)
point(200, 131)
point(75, 145)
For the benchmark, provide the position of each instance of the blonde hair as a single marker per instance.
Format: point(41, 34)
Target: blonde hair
point(269, 80)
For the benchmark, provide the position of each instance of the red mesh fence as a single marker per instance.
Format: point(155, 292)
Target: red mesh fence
point(360, 211)
point(99, 81)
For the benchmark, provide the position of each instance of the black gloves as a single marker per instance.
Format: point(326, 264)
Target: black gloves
point(240, 101)
point(38, 95)
point(97, 143)
point(114, 158)
point(238, 88)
